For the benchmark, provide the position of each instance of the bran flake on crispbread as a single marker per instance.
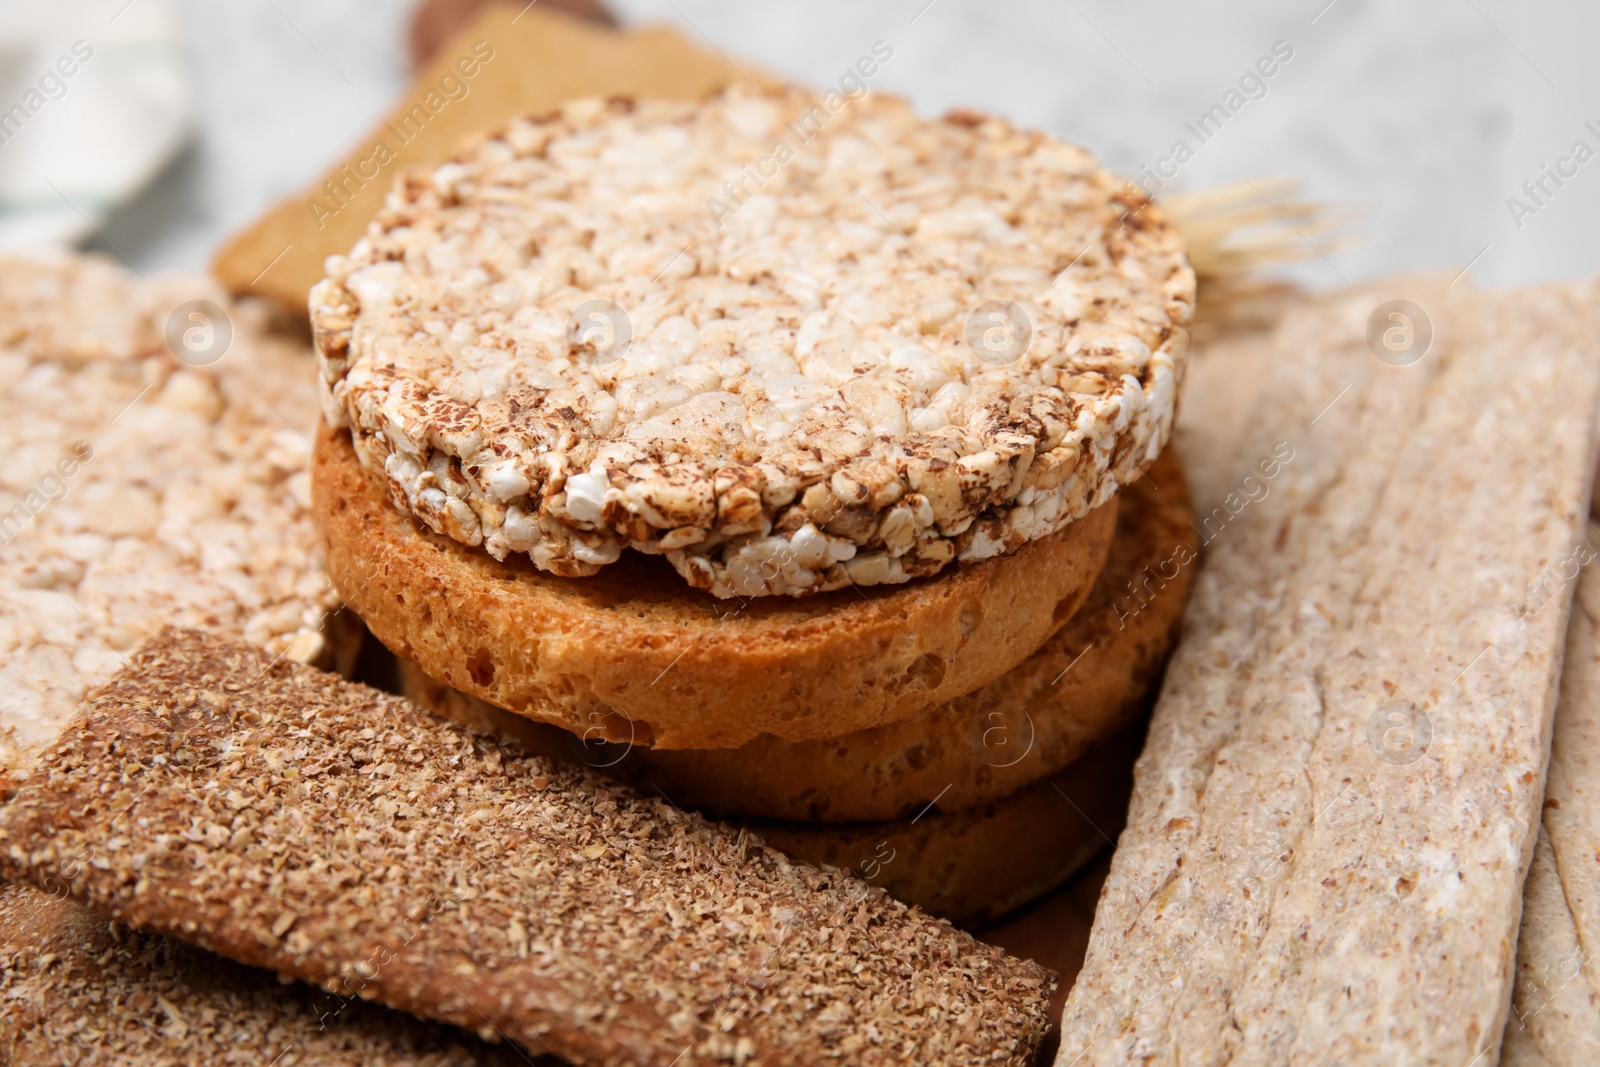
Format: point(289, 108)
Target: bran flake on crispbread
point(964, 862)
point(799, 404)
point(285, 818)
point(139, 491)
point(78, 989)
point(1332, 818)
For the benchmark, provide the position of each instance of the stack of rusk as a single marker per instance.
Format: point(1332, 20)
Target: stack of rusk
point(803, 463)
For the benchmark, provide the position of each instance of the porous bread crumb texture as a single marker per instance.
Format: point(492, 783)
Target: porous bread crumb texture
point(288, 819)
point(188, 498)
point(799, 407)
point(78, 989)
point(1334, 811)
point(1085, 683)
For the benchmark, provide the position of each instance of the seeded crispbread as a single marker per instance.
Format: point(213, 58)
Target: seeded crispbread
point(284, 818)
point(1083, 685)
point(631, 655)
point(1555, 1004)
point(75, 988)
point(920, 341)
point(1334, 813)
point(138, 490)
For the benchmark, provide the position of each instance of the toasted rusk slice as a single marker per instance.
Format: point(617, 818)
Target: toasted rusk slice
point(1083, 685)
point(789, 347)
point(978, 864)
point(632, 655)
point(155, 442)
point(1335, 810)
point(280, 816)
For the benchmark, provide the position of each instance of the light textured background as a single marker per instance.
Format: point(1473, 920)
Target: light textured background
point(1425, 115)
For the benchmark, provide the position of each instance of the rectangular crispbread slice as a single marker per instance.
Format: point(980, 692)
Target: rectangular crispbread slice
point(1334, 813)
point(77, 989)
point(287, 819)
point(1555, 1005)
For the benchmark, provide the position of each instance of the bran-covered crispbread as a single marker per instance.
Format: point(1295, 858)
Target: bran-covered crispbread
point(968, 862)
point(790, 346)
point(76, 988)
point(280, 816)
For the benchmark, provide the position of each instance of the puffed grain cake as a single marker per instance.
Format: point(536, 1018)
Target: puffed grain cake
point(633, 656)
point(1290, 889)
point(913, 341)
point(285, 818)
point(1555, 1003)
point(77, 989)
point(138, 490)
point(1081, 686)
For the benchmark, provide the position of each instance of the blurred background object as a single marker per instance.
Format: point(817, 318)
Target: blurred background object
point(436, 21)
point(94, 101)
point(1429, 118)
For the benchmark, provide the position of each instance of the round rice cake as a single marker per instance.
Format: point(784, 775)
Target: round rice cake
point(634, 656)
point(787, 346)
point(1086, 683)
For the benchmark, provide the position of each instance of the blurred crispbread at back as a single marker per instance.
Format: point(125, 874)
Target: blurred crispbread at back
point(435, 22)
point(525, 61)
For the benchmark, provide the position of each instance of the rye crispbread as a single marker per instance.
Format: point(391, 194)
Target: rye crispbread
point(967, 864)
point(1555, 1003)
point(282, 817)
point(78, 989)
point(1303, 879)
point(632, 655)
point(1084, 684)
point(138, 490)
point(922, 341)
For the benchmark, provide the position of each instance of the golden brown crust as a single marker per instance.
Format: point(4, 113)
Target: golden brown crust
point(976, 865)
point(75, 988)
point(630, 654)
point(287, 819)
point(1084, 684)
